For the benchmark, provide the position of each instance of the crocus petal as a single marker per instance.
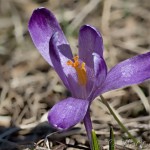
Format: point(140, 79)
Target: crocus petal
point(42, 26)
point(67, 113)
point(100, 69)
point(59, 55)
point(90, 80)
point(131, 71)
point(76, 90)
point(90, 41)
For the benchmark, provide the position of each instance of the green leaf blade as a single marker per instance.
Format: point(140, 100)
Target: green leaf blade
point(111, 139)
point(95, 144)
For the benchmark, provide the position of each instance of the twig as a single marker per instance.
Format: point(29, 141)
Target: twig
point(143, 98)
point(119, 122)
point(129, 106)
point(82, 14)
point(117, 114)
point(8, 132)
point(106, 15)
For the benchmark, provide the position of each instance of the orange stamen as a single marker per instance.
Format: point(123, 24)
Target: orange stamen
point(80, 70)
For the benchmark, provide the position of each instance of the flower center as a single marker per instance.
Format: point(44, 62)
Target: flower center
point(80, 69)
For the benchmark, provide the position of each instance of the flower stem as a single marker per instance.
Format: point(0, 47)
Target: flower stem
point(119, 122)
point(88, 126)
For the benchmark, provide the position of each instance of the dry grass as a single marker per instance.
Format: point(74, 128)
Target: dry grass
point(29, 87)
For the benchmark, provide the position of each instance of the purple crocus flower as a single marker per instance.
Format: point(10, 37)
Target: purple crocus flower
point(84, 75)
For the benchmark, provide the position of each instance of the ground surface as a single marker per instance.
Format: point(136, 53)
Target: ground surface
point(29, 87)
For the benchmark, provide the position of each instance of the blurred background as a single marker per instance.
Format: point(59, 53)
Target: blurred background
point(29, 87)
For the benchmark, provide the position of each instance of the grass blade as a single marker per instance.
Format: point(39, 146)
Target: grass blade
point(95, 144)
point(111, 139)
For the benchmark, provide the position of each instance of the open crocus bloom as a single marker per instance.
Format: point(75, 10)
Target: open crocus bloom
point(84, 75)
